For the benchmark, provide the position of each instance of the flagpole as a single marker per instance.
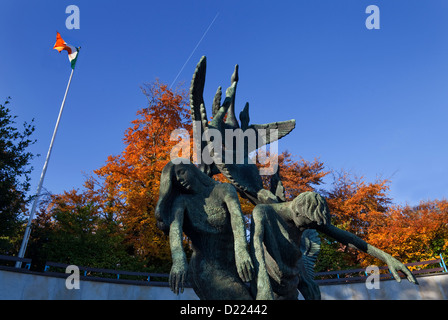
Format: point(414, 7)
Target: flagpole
point(42, 177)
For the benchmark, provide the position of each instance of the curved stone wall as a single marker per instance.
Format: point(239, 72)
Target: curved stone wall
point(31, 286)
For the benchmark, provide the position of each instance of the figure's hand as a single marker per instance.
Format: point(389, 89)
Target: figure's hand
point(178, 276)
point(395, 266)
point(266, 196)
point(244, 265)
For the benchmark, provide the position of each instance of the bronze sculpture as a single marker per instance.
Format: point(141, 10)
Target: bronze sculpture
point(210, 215)
point(275, 240)
point(283, 238)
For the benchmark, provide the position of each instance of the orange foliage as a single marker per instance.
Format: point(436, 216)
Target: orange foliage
point(299, 176)
point(130, 184)
point(354, 203)
point(409, 234)
point(412, 233)
point(127, 188)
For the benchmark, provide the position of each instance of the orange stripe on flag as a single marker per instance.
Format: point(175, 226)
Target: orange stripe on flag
point(61, 44)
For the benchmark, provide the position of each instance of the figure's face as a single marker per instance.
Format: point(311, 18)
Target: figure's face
point(185, 177)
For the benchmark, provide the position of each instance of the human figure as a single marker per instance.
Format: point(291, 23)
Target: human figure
point(276, 231)
point(209, 214)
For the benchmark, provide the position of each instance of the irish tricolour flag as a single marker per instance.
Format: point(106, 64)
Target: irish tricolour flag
point(62, 45)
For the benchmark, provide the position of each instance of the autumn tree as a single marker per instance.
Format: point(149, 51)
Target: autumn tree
point(120, 197)
point(365, 209)
point(130, 181)
point(408, 233)
point(354, 205)
point(412, 234)
point(300, 175)
point(111, 222)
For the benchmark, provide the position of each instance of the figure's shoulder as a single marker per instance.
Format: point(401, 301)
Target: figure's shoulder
point(225, 189)
point(224, 186)
point(264, 207)
point(271, 209)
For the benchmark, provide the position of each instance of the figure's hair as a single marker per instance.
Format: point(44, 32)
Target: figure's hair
point(311, 205)
point(170, 190)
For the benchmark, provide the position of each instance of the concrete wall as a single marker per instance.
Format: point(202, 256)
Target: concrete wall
point(28, 285)
point(31, 286)
point(432, 287)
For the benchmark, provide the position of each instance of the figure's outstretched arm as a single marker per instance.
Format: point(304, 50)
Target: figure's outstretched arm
point(179, 268)
point(353, 241)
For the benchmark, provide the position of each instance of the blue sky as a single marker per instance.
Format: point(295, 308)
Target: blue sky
point(373, 102)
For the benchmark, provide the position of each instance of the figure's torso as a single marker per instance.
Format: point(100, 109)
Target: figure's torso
point(207, 224)
point(283, 264)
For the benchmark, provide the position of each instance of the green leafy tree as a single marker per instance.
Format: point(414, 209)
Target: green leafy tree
point(15, 172)
point(73, 228)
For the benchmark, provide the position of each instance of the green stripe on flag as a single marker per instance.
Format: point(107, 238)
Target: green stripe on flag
point(73, 61)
